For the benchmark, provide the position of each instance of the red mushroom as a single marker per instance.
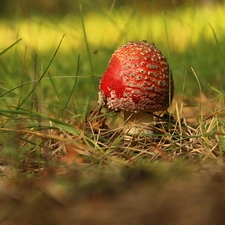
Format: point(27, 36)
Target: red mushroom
point(138, 82)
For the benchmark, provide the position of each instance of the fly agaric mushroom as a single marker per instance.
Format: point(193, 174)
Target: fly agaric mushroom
point(137, 81)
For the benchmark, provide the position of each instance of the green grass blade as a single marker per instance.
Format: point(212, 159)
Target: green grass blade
point(35, 116)
point(168, 54)
point(1, 53)
point(23, 73)
point(215, 36)
point(86, 43)
point(167, 37)
point(54, 87)
point(39, 80)
point(74, 85)
point(220, 55)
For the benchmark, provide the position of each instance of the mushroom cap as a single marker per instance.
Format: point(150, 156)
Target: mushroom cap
point(137, 78)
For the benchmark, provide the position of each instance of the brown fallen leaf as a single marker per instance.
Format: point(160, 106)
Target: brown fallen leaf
point(75, 150)
point(72, 156)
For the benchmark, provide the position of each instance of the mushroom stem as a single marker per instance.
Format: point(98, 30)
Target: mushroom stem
point(137, 123)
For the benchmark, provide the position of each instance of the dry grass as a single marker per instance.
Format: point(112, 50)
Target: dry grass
point(197, 138)
point(171, 141)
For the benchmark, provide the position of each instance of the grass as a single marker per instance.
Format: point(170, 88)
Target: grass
point(200, 34)
point(58, 151)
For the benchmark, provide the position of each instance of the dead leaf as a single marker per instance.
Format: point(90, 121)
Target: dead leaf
point(72, 156)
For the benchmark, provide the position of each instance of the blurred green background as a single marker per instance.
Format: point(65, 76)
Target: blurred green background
point(191, 34)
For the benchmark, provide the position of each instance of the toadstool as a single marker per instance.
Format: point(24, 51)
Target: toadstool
point(137, 81)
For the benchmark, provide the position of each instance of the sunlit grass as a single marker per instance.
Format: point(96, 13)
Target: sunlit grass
point(195, 37)
point(185, 26)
